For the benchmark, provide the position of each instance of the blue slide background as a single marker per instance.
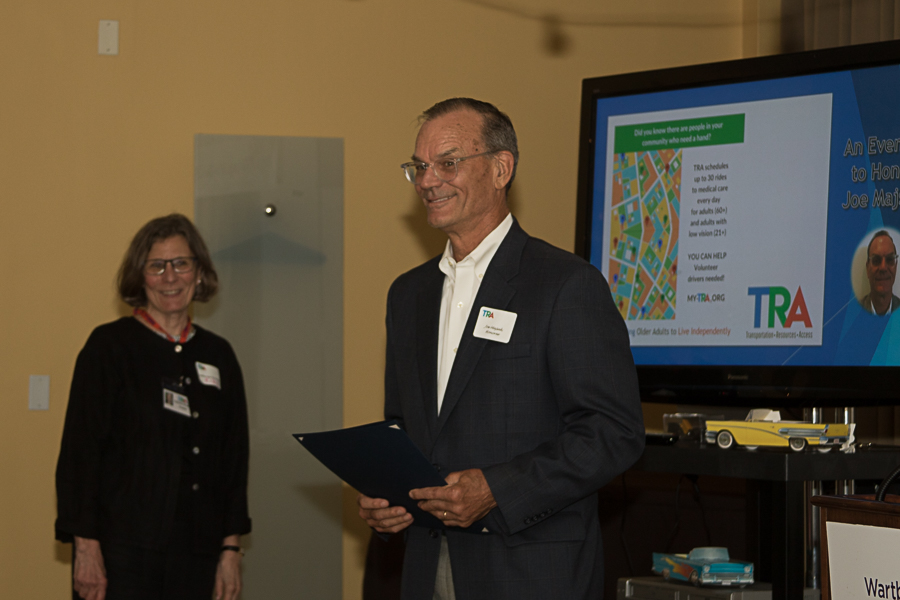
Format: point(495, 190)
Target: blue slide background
point(864, 104)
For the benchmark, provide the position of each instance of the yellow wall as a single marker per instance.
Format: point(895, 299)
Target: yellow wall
point(91, 147)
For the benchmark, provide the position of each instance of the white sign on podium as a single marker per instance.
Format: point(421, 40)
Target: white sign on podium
point(863, 561)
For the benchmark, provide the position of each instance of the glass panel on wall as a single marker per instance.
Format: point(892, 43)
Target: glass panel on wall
point(271, 210)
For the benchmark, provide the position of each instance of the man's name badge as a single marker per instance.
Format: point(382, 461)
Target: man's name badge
point(176, 402)
point(209, 375)
point(494, 324)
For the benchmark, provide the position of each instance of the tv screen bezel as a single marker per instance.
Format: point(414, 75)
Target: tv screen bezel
point(735, 385)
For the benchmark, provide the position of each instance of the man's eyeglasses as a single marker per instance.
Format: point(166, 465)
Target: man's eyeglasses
point(445, 169)
point(889, 259)
point(182, 264)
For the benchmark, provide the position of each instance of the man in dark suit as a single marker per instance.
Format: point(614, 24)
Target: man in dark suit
point(509, 366)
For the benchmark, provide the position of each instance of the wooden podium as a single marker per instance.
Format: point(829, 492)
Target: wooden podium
point(853, 510)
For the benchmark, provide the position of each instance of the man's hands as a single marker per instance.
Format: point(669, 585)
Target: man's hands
point(465, 499)
point(381, 516)
point(89, 577)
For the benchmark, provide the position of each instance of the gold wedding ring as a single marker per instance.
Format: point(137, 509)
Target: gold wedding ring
point(445, 514)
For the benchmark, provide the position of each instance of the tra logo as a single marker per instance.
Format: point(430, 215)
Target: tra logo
point(487, 314)
point(781, 305)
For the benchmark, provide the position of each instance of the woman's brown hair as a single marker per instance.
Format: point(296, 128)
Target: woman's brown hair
point(130, 280)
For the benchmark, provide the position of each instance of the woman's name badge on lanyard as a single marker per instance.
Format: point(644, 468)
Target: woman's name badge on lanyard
point(175, 401)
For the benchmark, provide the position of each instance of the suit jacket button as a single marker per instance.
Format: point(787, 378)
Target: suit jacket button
point(433, 533)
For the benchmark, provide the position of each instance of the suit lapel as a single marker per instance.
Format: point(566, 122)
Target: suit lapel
point(494, 292)
point(428, 308)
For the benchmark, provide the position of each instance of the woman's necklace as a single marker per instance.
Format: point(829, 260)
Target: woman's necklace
point(146, 318)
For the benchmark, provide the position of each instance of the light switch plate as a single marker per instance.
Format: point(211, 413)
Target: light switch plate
point(108, 38)
point(39, 392)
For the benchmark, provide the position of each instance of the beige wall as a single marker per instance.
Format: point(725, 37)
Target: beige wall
point(91, 147)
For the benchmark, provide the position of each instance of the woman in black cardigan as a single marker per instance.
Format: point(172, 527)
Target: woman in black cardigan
point(152, 473)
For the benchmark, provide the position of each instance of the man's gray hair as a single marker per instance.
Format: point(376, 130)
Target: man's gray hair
point(497, 132)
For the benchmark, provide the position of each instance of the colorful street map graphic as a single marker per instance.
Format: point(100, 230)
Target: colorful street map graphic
point(646, 198)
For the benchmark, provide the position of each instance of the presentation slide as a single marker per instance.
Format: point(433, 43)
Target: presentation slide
point(753, 223)
point(690, 192)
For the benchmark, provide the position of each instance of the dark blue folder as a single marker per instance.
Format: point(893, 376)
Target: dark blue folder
point(379, 460)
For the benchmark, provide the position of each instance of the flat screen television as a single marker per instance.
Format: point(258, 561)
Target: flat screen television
point(732, 206)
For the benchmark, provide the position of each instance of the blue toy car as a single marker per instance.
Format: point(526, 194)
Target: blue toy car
point(703, 566)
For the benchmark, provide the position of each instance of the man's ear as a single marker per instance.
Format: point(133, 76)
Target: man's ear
point(503, 170)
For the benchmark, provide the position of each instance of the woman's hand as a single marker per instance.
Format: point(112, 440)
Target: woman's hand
point(89, 578)
point(228, 573)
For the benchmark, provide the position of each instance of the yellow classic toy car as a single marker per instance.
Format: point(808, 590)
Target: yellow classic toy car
point(764, 427)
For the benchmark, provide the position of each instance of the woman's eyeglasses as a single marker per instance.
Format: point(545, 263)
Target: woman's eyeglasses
point(182, 264)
